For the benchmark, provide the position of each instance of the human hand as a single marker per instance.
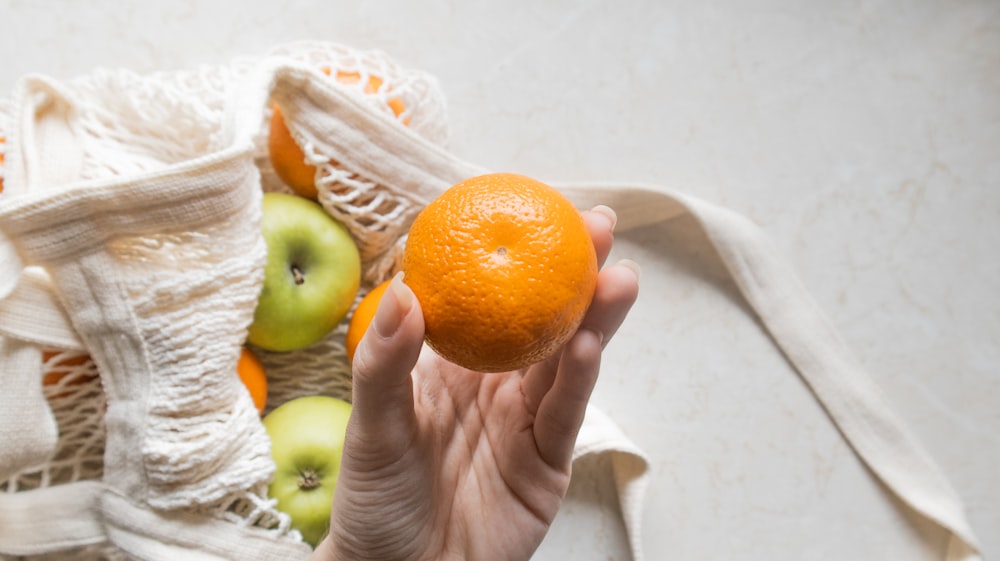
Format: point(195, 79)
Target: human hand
point(441, 463)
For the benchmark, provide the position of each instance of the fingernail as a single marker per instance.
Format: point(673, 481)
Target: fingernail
point(608, 212)
point(395, 304)
point(632, 266)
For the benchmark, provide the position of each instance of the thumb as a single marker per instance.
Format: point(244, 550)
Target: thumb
point(383, 389)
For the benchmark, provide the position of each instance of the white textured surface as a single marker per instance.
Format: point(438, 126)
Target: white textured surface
point(863, 136)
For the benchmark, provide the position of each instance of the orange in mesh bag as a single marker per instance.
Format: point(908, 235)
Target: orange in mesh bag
point(289, 161)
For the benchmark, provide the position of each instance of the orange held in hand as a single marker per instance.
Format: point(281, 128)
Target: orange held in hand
point(504, 269)
point(251, 373)
point(362, 316)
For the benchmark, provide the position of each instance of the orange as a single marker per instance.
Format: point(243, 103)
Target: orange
point(504, 269)
point(288, 159)
point(60, 364)
point(373, 86)
point(252, 375)
point(362, 316)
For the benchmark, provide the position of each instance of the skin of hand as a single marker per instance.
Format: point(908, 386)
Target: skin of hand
point(444, 464)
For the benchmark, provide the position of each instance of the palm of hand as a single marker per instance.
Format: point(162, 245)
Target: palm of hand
point(444, 463)
point(503, 490)
point(472, 474)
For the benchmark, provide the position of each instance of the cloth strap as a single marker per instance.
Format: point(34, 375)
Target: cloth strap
point(803, 333)
point(599, 435)
point(32, 313)
point(75, 525)
point(29, 427)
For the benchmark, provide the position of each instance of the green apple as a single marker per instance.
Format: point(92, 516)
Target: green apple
point(307, 442)
point(312, 276)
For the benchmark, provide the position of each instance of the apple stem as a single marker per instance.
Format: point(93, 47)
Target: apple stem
point(297, 274)
point(308, 480)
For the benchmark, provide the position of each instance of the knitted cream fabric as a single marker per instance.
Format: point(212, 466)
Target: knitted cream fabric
point(375, 215)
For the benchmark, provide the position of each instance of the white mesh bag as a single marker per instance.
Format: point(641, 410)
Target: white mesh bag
point(139, 219)
point(138, 245)
point(131, 261)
